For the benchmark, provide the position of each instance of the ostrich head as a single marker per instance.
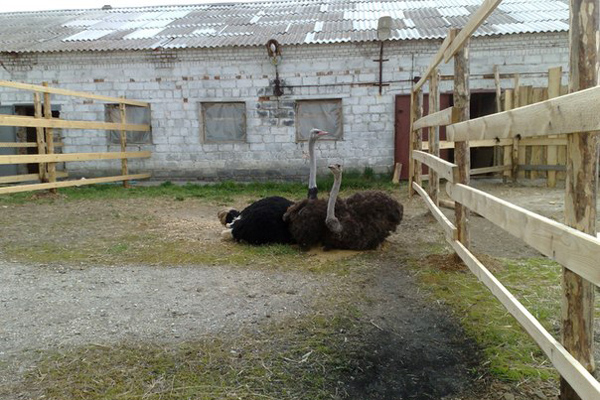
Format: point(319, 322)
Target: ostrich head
point(315, 134)
point(336, 170)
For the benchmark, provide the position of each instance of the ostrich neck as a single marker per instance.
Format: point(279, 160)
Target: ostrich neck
point(312, 177)
point(335, 190)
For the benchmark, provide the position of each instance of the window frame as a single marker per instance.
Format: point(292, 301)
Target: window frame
point(339, 100)
point(117, 133)
point(206, 139)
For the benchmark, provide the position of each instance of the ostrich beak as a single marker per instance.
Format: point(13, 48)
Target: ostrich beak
point(322, 133)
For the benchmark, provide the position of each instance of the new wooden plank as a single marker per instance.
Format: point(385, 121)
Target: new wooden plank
point(447, 226)
point(40, 139)
point(416, 142)
point(17, 120)
point(573, 249)
point(445, 169)
point(123, 142)
point(28, 177)
point(444, 117)
point(565, 114)
point(477, 18)
point(554, 81)
point(437, 59)
point(569, 368)
point(433, 136)
point(65, 92)
point(557, 141)
point(507, 157)
point(444, 144)
point(63, 184)
point(44, 158)
point(50, 174)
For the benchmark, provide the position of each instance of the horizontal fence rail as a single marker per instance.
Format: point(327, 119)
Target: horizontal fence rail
point(568, 367)
point(571, 113)
point(573, 249)
point(32, 122)
point(445, 169)
point(76, 182)
point(444, 117)
point(444, 222)
point(44, 158)
point(65, 92)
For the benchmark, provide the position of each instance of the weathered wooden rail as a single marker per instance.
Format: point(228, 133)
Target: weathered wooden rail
point(572, 120)
point(47, 158)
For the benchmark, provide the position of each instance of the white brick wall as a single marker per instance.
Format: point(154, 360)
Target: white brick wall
point(175, 82)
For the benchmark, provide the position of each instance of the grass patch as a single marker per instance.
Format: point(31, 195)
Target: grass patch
point(222, 192)
point(306, 359)
point(512, 355)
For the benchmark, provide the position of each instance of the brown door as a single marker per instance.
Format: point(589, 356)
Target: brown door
point(402, 128)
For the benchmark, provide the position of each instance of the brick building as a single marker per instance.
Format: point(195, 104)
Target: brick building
point(223, 107)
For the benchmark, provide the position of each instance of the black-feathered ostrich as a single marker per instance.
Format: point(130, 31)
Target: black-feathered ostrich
point(262, 222)
point(362, 221)
point(306, 218)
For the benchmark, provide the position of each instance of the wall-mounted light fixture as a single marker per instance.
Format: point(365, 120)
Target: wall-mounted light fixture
point(274, 52)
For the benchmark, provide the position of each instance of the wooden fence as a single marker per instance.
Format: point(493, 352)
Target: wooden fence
point(570, 120)
point(45, 144)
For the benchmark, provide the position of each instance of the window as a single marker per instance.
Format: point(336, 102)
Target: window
point(133, 115)
point(224, 122)
point(321, 114)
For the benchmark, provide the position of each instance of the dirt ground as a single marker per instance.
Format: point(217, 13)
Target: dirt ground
point(417, 349)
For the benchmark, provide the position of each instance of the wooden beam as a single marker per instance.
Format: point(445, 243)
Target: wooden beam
point(27, 177)
point(447, 226)
point(123, 141)
point(462, 152)
point(64, 92)
point(477, 18)
point(575, 250)
point(416, 142)
point(44, 158)
point(433, 135)
point(554, 82)
point(445, 169)
point(437, 59)
point(507, 157)
point(50, 175)
point(568, 367)
point(565, 114)
point(17, 120)
point(542, 141)
point(40, 139)
point(444, 117)
point(444, 144)
point(581, 185)
point(63, 184)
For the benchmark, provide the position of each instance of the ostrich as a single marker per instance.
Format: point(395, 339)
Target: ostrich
point(362, 221)
point(306, 218)
point(262, 222)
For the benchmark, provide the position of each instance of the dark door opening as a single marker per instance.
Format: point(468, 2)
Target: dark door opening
point(482, 103)
point(28, 134)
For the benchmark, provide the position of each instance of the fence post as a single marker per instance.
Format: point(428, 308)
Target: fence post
point(554, 79)
point(462, 155)
point(433, 135)
point(49, 138)
point(414, 167)
point(39, 135)
point(124, 171)
point(508, 150)
point(577, 331)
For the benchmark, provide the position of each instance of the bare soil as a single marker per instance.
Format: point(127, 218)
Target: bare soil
point(413, 349)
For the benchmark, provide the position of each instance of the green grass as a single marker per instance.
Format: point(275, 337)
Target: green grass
point(297, 359)
point(222, 192)
point(512, 355)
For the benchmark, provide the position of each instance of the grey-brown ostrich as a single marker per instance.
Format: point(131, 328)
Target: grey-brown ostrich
point(306, 218)
point(362, 221)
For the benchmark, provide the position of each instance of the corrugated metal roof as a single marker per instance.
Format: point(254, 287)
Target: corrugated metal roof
point(252, 24)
